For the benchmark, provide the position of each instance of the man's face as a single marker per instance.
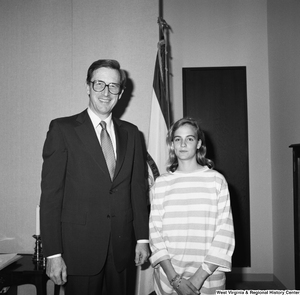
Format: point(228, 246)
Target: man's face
point(103, 102)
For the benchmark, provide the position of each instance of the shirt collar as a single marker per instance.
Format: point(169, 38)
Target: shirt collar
point(96, 120)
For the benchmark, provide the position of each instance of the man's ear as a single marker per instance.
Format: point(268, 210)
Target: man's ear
point(121, 93)
point(87, 88)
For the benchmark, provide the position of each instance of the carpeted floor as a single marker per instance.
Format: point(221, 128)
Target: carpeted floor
point(249, 285)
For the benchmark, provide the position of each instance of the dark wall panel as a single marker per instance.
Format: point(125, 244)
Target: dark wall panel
point(217, 98)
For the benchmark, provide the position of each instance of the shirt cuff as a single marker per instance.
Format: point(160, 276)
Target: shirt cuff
point(53, 256)
point(142, 241)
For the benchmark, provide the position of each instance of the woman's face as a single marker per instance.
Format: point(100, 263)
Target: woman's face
point(185, 142)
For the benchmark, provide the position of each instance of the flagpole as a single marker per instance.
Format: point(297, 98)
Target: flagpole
point(167, 75)
point(164, 35)
point(160, 16)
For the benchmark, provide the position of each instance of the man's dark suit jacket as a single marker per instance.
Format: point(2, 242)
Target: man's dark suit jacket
point(81, 208)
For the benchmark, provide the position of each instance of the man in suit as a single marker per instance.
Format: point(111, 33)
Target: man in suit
point(89, 218)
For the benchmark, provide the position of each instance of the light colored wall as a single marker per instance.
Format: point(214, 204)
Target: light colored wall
point(284, 69)
point(210, 33)
point(47, 46)
point(46, 49)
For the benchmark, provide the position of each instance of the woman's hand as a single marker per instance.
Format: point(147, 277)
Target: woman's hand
point(202, 274)
point(185, 287)
point(196, 282)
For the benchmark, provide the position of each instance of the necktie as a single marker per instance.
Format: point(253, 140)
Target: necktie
point(108, 150)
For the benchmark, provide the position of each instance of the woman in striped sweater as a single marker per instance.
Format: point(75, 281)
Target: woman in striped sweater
point(191, 226)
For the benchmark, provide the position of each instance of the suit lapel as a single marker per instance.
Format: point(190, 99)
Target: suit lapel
point(85, 131)
point(121, 142)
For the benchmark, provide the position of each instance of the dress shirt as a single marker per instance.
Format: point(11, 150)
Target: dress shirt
point(109, 127)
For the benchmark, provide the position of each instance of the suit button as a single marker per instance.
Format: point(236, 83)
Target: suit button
point(108, 216)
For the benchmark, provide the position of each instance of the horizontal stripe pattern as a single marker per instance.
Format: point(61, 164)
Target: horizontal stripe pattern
point(191, 223)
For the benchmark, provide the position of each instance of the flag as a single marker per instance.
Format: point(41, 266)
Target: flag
point(157, 147)
point(157, 155)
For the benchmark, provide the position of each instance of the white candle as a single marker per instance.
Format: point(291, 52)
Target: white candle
point(37, 220)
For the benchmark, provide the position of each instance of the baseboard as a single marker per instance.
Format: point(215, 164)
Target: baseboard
point(279, 284)
point(262, 277)
point(247, 277)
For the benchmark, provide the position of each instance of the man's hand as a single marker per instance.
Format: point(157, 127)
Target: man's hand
point(142, 253)
point(56, 270)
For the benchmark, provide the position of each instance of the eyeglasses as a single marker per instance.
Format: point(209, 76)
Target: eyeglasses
point(99, 86)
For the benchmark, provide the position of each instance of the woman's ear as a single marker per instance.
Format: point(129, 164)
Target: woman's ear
point(199, 144)
point(171, 146)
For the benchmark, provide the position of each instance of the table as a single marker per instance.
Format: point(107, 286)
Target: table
point(24, 271)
